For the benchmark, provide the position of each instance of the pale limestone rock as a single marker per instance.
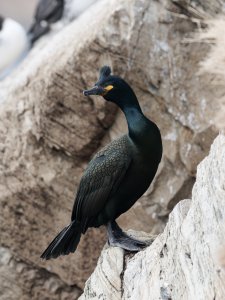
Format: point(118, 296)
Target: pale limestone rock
point(106, 282)
point(186, 261)
point(74, 8)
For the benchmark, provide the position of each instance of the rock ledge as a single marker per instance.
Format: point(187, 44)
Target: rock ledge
point(185, 261)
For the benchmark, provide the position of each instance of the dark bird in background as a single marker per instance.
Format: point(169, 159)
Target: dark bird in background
point(1, 22)
point(117, 176)
point(47, 12)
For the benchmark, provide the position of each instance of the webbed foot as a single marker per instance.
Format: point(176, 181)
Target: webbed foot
point(118, 238)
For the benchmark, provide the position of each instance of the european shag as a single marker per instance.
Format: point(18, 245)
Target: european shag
point(13, 45)
point(47, 12)
point(117, 176)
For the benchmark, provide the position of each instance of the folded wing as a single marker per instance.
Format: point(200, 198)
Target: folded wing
point(101, 179)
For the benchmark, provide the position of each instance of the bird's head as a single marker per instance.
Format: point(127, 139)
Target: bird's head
point(1, 22)
point(111, 87)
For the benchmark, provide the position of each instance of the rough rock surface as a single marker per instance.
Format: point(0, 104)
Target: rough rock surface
point(20, 280)
point(48, 130)
point(184, 262)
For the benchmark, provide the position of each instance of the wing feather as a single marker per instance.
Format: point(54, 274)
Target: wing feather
point(101, 179)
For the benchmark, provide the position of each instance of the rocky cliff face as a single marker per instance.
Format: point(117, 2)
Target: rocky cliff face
point(185, 261)
point(49, 131)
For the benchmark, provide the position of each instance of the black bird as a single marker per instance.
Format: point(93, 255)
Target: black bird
point(1, 22)
point(117, 176)
point(47, 12)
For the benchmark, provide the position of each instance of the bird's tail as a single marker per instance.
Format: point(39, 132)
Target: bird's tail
point(65, 242)
point(37, 30)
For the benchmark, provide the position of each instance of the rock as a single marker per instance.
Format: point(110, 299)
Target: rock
point(214, 33)
point(74, 8)
point(185, 261)
point(49, 131)
point(17, 276)
point(108, 274)
point(106, 280)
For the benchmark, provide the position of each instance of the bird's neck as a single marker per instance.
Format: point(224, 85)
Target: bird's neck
point(129, 104)
point(144, 134)
point(138, 125)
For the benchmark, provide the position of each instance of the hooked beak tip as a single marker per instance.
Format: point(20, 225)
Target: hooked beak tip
point(96, 90)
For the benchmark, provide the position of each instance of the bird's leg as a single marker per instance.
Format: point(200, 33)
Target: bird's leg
point(118, 238)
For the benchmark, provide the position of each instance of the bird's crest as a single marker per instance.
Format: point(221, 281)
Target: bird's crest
point(104, 72)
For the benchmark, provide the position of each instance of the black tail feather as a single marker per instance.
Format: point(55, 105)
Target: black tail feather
point(65, 242)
